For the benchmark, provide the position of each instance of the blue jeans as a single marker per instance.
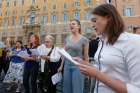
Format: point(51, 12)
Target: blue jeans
point(73, 79)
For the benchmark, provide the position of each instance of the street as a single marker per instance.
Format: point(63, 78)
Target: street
point(4, 86)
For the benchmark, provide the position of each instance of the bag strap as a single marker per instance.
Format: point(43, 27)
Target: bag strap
point(47, 63)
point(50, 51)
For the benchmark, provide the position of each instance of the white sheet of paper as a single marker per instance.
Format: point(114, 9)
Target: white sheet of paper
point(34, 52)
point(56, 78)
point(67, 56)
point(23, 54)
point(42, 51)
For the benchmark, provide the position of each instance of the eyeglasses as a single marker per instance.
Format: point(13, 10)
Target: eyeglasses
point(47, 41)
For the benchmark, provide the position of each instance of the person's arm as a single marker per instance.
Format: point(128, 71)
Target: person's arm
point(33, 58)
point(85, 51)
point(116, 85)
point(132, 58)
point(85, 56)
point(29, 57)
point(45, 57)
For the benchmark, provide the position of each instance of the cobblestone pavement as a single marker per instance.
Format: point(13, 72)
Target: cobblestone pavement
point(4, 86)
point(59, 88)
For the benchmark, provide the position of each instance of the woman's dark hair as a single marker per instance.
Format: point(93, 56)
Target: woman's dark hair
point(115, 25)
point(135, 29)
point(78, 22)
point(20, 43)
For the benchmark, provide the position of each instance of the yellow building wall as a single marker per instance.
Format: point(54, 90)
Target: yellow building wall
point(16, 31)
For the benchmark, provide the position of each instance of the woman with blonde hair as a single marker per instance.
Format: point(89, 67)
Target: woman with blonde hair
point(50, 62)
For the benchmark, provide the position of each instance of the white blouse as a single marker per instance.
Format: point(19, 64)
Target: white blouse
point(54, 56)
point(120, 61)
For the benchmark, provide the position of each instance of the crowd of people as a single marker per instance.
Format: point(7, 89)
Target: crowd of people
point(110, 61)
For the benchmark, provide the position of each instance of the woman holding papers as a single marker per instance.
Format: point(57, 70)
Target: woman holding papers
point(15, 72)
point(50, 62)
point(77, 46)
point(31, 66)
point(117, 57)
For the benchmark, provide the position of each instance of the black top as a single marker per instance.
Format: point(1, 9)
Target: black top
point(93, 46)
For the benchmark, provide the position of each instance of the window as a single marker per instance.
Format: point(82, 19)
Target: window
point(21, 20)
point(14, 21)
point(22, 2)
point(76, 3)
point(7, 4)
point(14, 12)
point(32, 19)
point(65, 17)
point(14, 2)
point(88, 2)
point(54, 6)
point(53, 19)
point(87, 15)
point(8, 22)
point(33, 1)
point(77, 15)
point(128, 11)
point(6, 13)
point(65, 6)
point(44, 20)
point(45, 8)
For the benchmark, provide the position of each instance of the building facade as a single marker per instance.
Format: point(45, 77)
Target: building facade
point(129, 10)
point(19, 17)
